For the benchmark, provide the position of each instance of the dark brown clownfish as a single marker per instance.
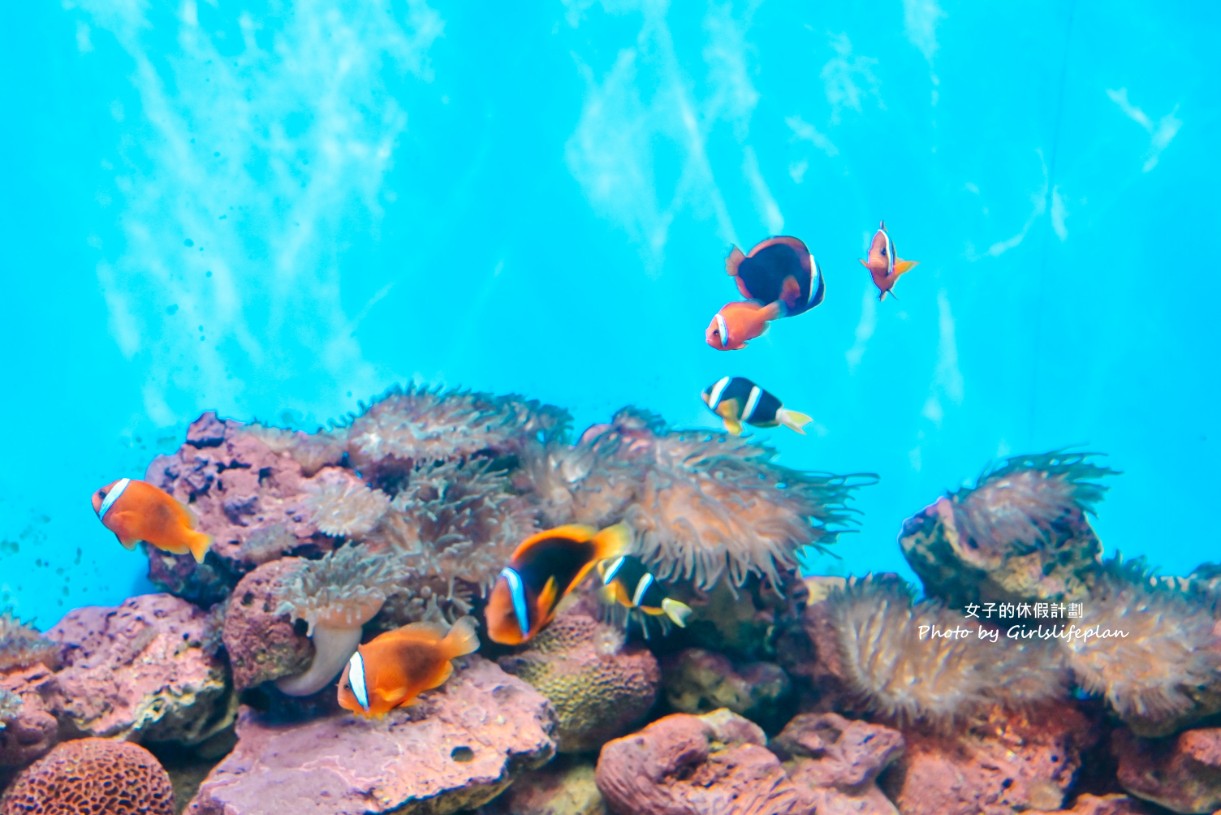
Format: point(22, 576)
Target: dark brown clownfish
point(736, 400)
point(628, 584)
point(542, 570)
point(779, 270)
point(883, 263)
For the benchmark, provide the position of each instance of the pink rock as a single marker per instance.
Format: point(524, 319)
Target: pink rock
point(834, 762)
point(1013, 761)
point(1181, 773)
point(456, 748)
point(262, 643)
point(246, 495)
point(566, 786)
point(693, 765)
point(146, 670)
point(35, 729)
point(1099, 805)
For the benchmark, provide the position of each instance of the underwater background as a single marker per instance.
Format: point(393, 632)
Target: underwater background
point(277, 211)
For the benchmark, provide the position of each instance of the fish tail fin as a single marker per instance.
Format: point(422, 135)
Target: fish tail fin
point(734, 260)
point(773, 310)
point(462, 638)
point(793, 419)
point(676, 611)
point(199, 544)
point(902, 266)
point(613, 542)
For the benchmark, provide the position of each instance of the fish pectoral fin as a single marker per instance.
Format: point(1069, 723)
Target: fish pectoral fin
point(128, 543)
point(733, 426)
point(902, 266)
point(547, 597)
point(395, 697)
point(863, 263)
point(446, 672)
point(733, 261)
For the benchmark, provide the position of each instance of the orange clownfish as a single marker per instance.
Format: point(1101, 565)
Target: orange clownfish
point(394, 668)
point(883, 264)
point(737, 323)
point(542, 571)
point(780, 270)
point(137, 511)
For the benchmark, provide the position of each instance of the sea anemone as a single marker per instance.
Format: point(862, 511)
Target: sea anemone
point(335, 596)
point(1165, 669)
point(341, 505)
point(1020, 534)
point(710, 505)
point(590, 483)
point(908, 663)
point(414, 426)
point(21, 645)
point(312, 451)
point(461, 519)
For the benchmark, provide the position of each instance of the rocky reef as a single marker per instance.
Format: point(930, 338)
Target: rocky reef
point(998, 686)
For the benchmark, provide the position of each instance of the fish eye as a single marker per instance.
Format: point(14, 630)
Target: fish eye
point(883, 251)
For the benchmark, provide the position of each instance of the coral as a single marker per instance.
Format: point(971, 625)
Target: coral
point(92, 777)
point(834, 762)
point(335, 596)
point(600, 686)
point(412, 426)
point(566, 786)
point(260, 639)
point(10, 707)
point(1020, 534)
point(142, 670)
point(341, 505)
point(21, 645)
point(1012, 762)
point(1164, 673)
point(697, 681)
point(312, 451)
point(918, 662)
point(689, 765)
point(1182, 773)
point(456, 749)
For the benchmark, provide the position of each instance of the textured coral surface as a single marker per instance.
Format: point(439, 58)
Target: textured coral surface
point(92, 777)
point(457, 748)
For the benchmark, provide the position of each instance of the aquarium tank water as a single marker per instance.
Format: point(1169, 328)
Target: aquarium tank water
point(280, 212)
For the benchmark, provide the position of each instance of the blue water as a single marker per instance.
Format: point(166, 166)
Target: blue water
point(278, 210)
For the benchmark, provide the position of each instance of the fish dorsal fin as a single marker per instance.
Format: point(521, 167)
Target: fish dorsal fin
point(579, 532)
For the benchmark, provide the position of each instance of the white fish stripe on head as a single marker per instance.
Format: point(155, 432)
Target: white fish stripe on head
point(723, 329)
point(641, 588)
point(613, 570)
point(113, 496)
point(752, 402)
point(517, 593)
point(714, 396)
point(890, 255)
point(356, 679)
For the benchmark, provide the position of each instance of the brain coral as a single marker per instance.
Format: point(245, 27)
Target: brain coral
point(904, 674)
point(1165, 671)
point(21, 645)
point(92, 777)
point(410, 426)
point(599, 686)
point(1020, 533)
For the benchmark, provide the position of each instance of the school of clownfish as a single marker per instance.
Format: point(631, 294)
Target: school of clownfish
point(779, 277)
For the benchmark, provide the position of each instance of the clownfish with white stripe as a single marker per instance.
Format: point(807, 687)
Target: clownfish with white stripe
point(137, 511)
point(737, 400)
point(738, 323)
point(628, 584)
point(883, 264)
point(542, 570)
point(778, 270)
point(394, 668)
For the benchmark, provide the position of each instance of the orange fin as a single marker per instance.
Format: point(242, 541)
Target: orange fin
point(790, 292)
point(736, 256)
point(612, 542)
point(732, 425)
point(446, 671)
point(396, 697)
point(902, 266)
point(547, 597)
point(461, 639)
point(128, 543)
point(198, 545)
point(772, 310)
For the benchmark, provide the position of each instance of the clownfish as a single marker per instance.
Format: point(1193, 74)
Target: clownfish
point(736, 400)
point(137, 511)
point(779, 270)
point(394, 668)
point(737, 323)
point(883, 264)
point(628, 584)
point(543, 569)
